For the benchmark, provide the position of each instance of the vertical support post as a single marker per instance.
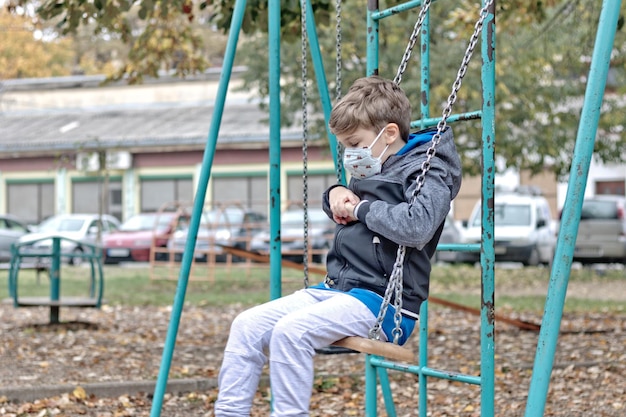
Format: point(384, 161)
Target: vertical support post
point(425, 60)
point(92, 272)
point(100, 291)
point(16, 260)
point(423, 360)
point(422, 384)
point(370, 388)
point(372, 38)
point(487, 259)
point(203, 181)
point(383, 377)
point(583, 151)
point(274, 147)
point(55, 279)
point(322, 84)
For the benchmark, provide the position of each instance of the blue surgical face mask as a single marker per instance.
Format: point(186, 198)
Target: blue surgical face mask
point(361, 163)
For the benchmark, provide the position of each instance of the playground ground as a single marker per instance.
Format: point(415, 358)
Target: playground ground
point(102, 363)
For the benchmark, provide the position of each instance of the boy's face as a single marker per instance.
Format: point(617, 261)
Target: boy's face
point(363, 138)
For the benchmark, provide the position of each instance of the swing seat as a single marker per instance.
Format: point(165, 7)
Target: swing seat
point(377, 347)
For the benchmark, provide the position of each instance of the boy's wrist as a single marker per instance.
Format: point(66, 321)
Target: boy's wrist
point(326, 198)
point(361, 210)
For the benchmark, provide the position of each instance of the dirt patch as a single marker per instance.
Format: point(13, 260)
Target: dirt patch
point(123, 344)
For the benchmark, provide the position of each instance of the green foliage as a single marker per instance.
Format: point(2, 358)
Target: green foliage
point(543, 50)
point(542, 74)
point(23, 56)
point(255, 19)
point(159, 35)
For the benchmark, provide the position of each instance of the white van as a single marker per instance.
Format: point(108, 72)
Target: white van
point(523, 226)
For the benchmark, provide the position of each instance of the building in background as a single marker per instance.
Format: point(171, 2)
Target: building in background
point(56, 134)
point(70, 145)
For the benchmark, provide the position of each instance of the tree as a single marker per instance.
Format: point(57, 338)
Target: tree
point(155, 35)
point(542, 63)
point(543, 49)
point(542, 76)
point(23, 56)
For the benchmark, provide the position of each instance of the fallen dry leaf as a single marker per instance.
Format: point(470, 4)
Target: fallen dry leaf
point(122, 344)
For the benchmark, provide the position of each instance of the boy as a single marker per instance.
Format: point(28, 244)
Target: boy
point(373, 217)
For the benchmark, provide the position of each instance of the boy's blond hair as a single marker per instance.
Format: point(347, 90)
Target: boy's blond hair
point(372, 103)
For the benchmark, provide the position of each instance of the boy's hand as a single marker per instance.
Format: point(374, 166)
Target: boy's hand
point(342, 203)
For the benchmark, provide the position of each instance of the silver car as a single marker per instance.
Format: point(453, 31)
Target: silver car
point(602, 230)
point(451, 234)
point(11, 229)
point(76, 227)
point(319, 235)
point(231, 226)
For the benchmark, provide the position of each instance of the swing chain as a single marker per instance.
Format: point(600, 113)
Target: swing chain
point(394, 289)
point(447, 111)
point(395, 281)
point(305, 129)
point(338, 60)
point(338, 83)
point(338, 87)
point(412, 40)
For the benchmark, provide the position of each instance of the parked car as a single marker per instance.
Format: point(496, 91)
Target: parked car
point(136, 237)
point(602, 230)
point(320, 235)
point(451, 234)
point(11, 229)
point(78, 227)
point(231, 226)
point(524, 230)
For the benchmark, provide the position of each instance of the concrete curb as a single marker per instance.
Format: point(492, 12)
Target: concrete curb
point(106, 389)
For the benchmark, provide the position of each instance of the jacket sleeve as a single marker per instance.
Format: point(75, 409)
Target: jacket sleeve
point(413, 224)
point(326, 201)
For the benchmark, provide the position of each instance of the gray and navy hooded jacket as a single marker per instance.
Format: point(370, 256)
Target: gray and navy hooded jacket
point(364, 252)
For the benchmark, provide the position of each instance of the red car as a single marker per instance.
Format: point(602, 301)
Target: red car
point(133, 240)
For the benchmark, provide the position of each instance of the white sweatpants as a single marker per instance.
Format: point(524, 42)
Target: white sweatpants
point(291, 328)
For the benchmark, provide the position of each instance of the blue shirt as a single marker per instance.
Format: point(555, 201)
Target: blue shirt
point(417, 139)
point(373, 301)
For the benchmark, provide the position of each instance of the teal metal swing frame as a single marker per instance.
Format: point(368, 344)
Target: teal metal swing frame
point(377, 366)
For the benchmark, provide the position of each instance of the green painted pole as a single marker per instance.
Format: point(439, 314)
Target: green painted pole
point(422, 404)
point(583, 151)
point(371, 403)
point(487, 261)
point(322, 84)
point(274, 148)
point(55, 279)
point(372, 38)
point(425, 69)
point(203, 181)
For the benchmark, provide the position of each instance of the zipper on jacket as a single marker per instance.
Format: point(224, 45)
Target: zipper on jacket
point(377, 256)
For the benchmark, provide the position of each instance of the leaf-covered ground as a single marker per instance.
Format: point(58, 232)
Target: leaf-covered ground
point(122, 344)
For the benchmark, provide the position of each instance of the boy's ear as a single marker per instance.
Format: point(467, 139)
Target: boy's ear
point(392, 132)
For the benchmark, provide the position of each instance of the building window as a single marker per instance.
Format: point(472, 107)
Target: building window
point(316, 185)
point(610, 187)
point(157, 192)
point(246, 191)
point(31, 201)
point(116, 197)
point(87, 196)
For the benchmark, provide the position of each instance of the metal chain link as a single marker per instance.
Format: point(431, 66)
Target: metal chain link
point(338, 59)
point(338, 82)
point(412, 40)
point(305, 134)
point(394, 287)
